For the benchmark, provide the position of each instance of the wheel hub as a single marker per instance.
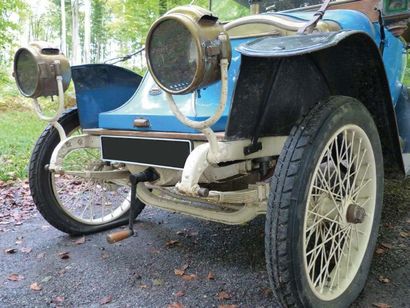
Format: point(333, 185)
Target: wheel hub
point(355, 214)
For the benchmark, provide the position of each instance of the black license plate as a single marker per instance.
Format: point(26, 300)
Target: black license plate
point(167, 153)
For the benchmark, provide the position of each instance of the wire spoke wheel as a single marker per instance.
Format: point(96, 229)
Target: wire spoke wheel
point(339, 212)
point(325, 206)
point(89, 196)
point(88, 200)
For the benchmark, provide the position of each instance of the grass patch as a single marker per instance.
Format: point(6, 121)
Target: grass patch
point(19, 131)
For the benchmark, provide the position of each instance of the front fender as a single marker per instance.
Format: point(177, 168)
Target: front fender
point(282, 78)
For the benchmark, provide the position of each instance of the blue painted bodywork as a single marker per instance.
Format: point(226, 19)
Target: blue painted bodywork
point(100, 88)
point(155, 108)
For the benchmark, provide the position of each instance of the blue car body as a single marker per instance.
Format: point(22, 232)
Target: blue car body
point(117, 103)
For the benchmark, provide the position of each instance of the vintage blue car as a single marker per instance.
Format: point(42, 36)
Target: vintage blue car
point(296, 111)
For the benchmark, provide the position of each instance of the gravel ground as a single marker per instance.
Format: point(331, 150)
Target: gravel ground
point(140, 272)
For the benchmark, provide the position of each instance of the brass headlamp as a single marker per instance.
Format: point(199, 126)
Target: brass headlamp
point(184, 48)
point(36, 68)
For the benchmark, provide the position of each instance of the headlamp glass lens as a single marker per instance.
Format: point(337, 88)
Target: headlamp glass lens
point(173, 55)
point(26, 72)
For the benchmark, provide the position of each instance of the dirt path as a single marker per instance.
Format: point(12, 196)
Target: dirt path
point(140, 272)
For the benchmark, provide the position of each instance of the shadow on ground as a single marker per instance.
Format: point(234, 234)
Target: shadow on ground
point(140, 271)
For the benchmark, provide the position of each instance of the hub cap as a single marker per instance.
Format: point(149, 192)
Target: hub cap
point(339, 212)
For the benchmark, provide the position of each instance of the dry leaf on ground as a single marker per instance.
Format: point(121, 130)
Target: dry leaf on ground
point(105, 300)
point(210, 276)
point(387, 245)
point(64, 255)
point(175, 305)
point(15, 277)
point(26, 250)
point(189, 277)
point(224, 295)
point(404, 234)
point(380, 251)
point(172, 243)
point(180, 294)
point(179, 272)
point(36, 287)
point(58, 300)
point(383, 279)
point(381, 305)
point(80, 240)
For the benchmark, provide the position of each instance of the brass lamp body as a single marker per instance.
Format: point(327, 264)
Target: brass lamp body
point(36, 68)
point(211, 42)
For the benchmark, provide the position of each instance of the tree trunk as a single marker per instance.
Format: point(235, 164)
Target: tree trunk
point(87, 30)
point(63, 29)
point(76, 36)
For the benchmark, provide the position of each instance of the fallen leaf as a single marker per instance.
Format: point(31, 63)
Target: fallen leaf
point(210, 276)
point(175, 305)
point(58, 300)
point(172, 243)
point(224, 295)
point(46, 279)
point(41, 255)
point(143, 286)
point(105, 300)
point(380, 251)
point(404, 234)
point(64, 255)
point(180, 294)
point(383, 279)
point(10, 250)
point(154, 250)
point(26, 250)
point(189, 277)
point(36, 287)
point(387, 245)
point(179, 272)
point(157, 282)
point(80, 240)
point(15, 277)
point(267, 292)
point(228, 306)
point(381, 305)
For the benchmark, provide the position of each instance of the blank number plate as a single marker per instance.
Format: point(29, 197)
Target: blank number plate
point(167, 153)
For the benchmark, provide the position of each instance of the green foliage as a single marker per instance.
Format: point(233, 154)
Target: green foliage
point(19, 131)
point(7, 22)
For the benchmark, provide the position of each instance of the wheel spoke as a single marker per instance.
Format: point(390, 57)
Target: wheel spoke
point(85, 199)
point(334, 247)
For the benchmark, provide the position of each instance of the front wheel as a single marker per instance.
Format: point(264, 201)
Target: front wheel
point(325, 207)
point(71, 203)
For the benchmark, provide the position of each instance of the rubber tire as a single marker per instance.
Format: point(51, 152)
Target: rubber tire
point(41, 187)
point(289, 191)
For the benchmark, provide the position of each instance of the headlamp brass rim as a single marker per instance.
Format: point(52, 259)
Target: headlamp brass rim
point(44, 63)
point(191, 26)
point(32, 53)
